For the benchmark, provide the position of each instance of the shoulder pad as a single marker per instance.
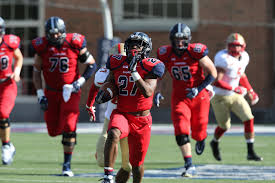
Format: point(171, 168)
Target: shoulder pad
point(163, 53)
point(154, 66)
point(77, 40)
point(197, 50)
point(39, 44)
point(115, 61)
point(12, 41)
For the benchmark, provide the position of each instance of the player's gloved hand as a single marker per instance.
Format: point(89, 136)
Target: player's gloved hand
point(134, 61)
point(157, 98)
point(240, 90)
point(253, 96)
point(43, 101)
point(193, 92)
point(76, 86)
point(91, 112)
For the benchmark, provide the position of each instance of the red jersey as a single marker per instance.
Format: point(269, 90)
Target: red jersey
point(60, 64)
point(185, 69)
point(130, 99)
point(7, 46)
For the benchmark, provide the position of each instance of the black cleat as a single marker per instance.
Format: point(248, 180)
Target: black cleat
point(200, 145)
point(215, 150)
point(254, 156)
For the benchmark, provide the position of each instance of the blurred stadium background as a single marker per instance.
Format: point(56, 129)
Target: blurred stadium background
point(210, 21)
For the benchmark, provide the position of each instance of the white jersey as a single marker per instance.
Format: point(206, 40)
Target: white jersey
point(234, 69)
point(100, 77)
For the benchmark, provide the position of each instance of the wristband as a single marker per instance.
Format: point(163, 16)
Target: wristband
point(135, 76)
point(40, 93)
point(81, 80)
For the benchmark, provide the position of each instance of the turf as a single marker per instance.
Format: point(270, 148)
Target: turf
point(39, 158)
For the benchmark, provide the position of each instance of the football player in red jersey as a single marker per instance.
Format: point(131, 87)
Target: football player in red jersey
point(190, 105)
point(136, 77)
point(9, 75)
point(99, 79)
point(57, 56)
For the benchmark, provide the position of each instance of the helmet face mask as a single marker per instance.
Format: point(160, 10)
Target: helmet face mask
point(2, 27)
point(180, 36)
point(235, 44)
point(55, 30)
point(140, 43)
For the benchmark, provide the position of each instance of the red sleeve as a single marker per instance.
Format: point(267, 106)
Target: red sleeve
point(198, 50)
point(12, 41)
point(77, 40)
point(245, 83)
point(38, 44)
point(223, 85)
point(92, 94)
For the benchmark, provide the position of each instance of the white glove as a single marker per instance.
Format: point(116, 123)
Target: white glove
point(210, 90)
point(67, 91)
point(193, 92)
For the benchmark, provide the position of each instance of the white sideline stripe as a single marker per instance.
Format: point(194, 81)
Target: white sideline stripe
point(21, 180)
point(96, 128)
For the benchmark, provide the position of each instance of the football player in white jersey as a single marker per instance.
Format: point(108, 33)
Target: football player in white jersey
point(100, 77)
point(230, 88)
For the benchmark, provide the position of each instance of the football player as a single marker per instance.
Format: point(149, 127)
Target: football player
point(231, 86)
point(136, 77)
point(190, 103)
point(57, 56)
point(9, 50)
point(99, 79)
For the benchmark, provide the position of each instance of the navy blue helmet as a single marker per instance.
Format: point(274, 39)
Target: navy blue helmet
point(142, 39)
point(53, 26)
point(180, 31)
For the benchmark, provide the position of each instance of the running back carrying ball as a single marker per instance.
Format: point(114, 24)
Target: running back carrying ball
point(106, 92)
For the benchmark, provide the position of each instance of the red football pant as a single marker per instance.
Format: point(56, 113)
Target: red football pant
point(60, 116)
point(8, 93)
point(138, 130)
point(191, 114)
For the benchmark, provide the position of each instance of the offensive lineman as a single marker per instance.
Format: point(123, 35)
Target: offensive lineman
point(231, 86)
point(57, 56)
point(190, 102)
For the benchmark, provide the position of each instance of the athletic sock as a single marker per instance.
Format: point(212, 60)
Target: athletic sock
point(250, 148)
point(188, 161)
point(67, 157)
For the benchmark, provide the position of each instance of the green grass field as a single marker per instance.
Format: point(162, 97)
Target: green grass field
point(39, 158)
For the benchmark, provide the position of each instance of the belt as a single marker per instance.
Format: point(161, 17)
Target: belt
point(140, 113)
point(52, 89)
point(4, 79)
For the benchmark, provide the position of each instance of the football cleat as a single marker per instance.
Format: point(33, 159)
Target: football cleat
point(189, 172)
point(254, 156)
point(66, 171)
point(8, 152)
point(215, 150)
point(200, 145)
point(107, 179)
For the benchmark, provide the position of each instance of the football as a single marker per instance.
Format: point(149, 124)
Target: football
point(106, 92)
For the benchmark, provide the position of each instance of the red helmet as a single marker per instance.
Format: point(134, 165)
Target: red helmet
point(233, 41)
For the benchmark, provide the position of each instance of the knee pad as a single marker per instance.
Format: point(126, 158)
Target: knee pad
point(4, 123)
point(68, 135)
point(182, 139)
